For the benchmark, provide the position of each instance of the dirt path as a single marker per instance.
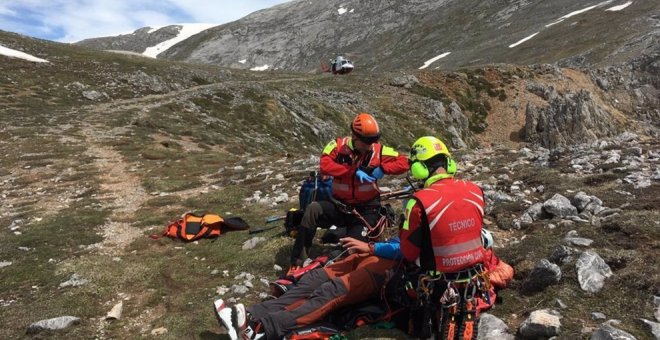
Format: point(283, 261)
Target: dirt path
point(155, 100)
point(121, 188)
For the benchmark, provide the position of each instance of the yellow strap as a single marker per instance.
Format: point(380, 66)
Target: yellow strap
point(212, 219)
point(436, 178)
point(328, 148)
point(409, 206)
point(388, 151)
point(193, 218)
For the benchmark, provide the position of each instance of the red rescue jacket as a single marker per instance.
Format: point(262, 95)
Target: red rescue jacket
point(341, 161)
point(449, 212)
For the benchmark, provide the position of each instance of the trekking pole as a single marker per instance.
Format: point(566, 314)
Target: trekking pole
point(395, 194)
point(271, 219)
point(402, 193)
point(260, 230)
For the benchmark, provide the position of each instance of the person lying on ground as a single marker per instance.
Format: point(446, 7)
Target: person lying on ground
point(348, 281)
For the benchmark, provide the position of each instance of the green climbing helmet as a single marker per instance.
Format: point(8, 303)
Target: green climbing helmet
point(426, 149)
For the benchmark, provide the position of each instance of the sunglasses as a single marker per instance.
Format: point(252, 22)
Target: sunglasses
point(367, 140)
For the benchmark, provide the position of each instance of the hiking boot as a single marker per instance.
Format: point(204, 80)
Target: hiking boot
point(224, 316)
point(279, 287)
point(247, 329)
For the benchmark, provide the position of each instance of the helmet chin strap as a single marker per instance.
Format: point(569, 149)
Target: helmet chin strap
point(429, 181)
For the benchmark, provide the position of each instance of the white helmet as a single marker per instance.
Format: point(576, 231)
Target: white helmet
point(486, 238)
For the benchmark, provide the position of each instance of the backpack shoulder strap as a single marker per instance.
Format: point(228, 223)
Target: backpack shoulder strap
point(235, 223)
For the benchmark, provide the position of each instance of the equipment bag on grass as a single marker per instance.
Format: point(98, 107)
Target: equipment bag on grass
point(192, 227)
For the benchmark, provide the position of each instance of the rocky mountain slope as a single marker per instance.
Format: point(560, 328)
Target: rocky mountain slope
point(137, 42)
point(100, 150)
point(395, 35)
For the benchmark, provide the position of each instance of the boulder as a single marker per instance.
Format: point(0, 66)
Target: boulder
point(536, 212)
point(592, 271)
point(654, 327)
point(572, 238)
point(608, 332)
point(544, 274)
point(492, 328)
point(559, 206)
point(542, 323)
point(573, 117)
point(53, 324)
point(73, 281)
point(406, 81)
point(561, 254)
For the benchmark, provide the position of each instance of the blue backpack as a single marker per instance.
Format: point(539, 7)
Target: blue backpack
point(315, 188)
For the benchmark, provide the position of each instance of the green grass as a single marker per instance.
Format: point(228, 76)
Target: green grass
point(33, 277)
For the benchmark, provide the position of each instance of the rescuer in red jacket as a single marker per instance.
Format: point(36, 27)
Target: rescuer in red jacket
point(442, 229)
point(356, 164)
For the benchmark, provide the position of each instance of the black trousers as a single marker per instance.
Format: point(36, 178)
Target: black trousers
point(324, 214)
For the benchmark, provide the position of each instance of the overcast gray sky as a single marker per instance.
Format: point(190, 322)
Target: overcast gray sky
point(74, 20)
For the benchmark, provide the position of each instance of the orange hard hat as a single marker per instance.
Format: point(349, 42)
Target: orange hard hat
point(366, 128)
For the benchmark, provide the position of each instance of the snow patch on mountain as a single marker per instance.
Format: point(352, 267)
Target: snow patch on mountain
point(523, 40)
point(578, 12)
point(619, 7)
point(434, 59)
point(343, 10)
point(259, 68)
point(186, 31)
point(574, 13)
point(21, 55)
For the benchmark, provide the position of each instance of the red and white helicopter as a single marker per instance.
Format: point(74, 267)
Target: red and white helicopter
point(339, 65)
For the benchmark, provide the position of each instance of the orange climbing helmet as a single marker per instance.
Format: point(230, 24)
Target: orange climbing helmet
point(365, 128)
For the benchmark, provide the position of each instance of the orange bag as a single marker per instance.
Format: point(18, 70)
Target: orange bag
point(192, 227)
point(501, 275)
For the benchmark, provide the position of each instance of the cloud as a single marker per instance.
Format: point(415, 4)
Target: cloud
point(74, 20)
point(6, 11)
point(222, 11)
